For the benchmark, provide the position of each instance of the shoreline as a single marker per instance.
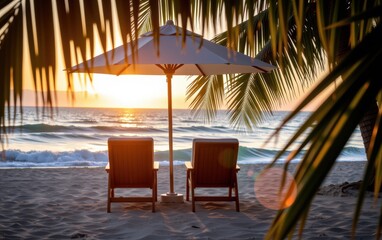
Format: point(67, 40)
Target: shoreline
point(261, 163)
point(60, 203)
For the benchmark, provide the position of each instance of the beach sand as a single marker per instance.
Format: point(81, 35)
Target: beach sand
point(71, 203)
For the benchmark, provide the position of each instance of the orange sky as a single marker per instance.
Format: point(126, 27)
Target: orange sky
point(121, 92)
point(132, 92)
point(126, 91)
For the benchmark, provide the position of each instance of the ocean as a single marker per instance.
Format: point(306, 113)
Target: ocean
point(77, 137)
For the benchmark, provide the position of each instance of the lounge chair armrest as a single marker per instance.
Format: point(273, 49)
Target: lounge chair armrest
point(237, 168)
point(156, 165)
point(189, 165)
point(107, 168)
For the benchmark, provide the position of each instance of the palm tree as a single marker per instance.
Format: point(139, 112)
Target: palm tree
point(302, 35)
point(58, 27)
point(299, 36)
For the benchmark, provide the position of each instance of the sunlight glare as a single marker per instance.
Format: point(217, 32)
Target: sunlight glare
point(269, 191)
point(131, 91)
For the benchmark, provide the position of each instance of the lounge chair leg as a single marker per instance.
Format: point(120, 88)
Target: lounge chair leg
point(156, 195)
point(237, 196)
point(153, 205)
point(155, 187)
point(237, 204)
point(193, 199)
point(108, 201)
point(188, 186)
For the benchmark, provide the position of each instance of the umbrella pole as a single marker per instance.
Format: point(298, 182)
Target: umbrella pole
point(170, 141)
point(170, 196)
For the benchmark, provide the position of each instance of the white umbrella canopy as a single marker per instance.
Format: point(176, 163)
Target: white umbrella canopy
point(207, 58)
point(195, 56)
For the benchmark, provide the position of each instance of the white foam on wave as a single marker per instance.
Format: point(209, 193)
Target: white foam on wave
point(78, 137)
point(87, 158)
point(17, 158)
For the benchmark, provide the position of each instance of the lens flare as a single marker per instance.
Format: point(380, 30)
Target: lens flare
point(272, 192)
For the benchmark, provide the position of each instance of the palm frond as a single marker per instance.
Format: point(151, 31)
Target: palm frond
point(253, 95)
point(207, 94)
point(73, 33)
point(11, 45)
point(39, 18)
point(336, 119)
point(248, 100)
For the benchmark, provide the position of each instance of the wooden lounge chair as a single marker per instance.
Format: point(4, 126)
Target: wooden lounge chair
point(213, 165)
point(131, 165)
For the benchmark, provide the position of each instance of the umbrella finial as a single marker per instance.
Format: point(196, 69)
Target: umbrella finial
point(170, 22)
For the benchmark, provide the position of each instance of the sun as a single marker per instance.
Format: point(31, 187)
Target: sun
point(135, 91)
point(129, 91)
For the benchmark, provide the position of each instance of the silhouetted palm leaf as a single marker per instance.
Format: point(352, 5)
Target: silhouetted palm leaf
point(300, 37)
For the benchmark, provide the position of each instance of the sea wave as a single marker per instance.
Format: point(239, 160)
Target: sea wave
point(203, 129)
point(47, 128)
point(86, 158)
point(17, 158)
point(78, 136)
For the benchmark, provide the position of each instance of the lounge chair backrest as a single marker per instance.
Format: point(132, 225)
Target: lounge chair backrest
point(214, 162)
point(131, 162)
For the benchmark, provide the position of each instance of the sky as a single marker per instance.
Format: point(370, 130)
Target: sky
point(108, 91)
point(129, 91)
point(125, 91)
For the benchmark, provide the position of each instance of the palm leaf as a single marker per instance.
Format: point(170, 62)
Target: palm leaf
point(207, 93)
point(253, 95)
point(11, 75)
point(358, 89)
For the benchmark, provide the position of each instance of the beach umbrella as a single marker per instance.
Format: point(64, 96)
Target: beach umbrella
point(172, 56)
